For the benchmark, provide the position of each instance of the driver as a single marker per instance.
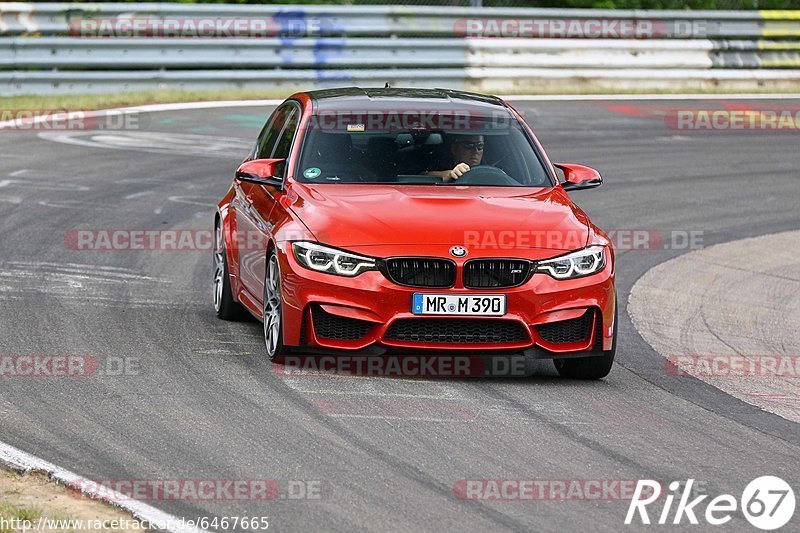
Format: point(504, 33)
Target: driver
point(467, 152)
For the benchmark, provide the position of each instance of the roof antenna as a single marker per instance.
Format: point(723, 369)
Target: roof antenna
point(387, 86)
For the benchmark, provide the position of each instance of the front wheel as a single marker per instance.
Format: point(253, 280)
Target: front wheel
point(225, 306)
point(273, 312)
point(595, 367)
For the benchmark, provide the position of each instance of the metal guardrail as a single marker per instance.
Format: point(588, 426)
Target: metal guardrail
point(57, 52)
point(319, 20)
point(329, 53)
point(44, 47)
point(266, 81)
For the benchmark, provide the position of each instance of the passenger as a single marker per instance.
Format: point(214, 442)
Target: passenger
point(467, 152)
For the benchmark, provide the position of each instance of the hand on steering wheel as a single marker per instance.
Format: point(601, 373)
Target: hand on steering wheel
point(486, 175)
point(458, 171)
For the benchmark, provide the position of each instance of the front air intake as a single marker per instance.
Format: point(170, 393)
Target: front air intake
point(567, 331)
point(328, 326)
point(457, 331)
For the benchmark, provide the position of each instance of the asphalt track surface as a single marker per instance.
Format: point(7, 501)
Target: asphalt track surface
point(205, 404)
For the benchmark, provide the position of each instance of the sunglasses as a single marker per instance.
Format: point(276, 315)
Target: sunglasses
point(472, 145)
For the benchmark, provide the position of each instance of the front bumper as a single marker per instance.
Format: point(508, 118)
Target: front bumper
point(552, 318)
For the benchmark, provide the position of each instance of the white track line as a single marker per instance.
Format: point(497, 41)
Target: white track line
point(24, 123)
point(24, 462)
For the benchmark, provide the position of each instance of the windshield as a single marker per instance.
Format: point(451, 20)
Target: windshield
point(420, 148)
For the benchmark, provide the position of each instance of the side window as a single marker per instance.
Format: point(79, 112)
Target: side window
point(281, 150)
point(269, 135)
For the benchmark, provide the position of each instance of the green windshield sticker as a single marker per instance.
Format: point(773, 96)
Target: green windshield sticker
point(312, 173)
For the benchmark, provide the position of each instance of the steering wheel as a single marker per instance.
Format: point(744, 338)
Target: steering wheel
point(485, 175)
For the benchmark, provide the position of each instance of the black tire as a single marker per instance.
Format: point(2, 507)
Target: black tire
point(594, 367)
point(225, 306)
point(273, 310)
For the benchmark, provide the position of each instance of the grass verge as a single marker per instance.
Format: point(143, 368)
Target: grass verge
point(88, 102)
point(32, 497)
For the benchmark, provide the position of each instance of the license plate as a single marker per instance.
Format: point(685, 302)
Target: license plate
point(454, 304)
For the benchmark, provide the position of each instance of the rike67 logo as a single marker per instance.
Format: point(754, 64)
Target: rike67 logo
point(767, 502)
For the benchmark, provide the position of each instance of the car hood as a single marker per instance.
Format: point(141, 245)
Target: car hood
point(345, 215)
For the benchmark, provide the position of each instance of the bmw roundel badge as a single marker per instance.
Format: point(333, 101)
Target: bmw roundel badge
point(458, 251)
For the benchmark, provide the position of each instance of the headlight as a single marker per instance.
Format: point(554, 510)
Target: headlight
point(330, 260)
point(576, 264)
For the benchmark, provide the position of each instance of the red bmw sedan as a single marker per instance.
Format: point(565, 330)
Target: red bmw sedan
point(388, 220)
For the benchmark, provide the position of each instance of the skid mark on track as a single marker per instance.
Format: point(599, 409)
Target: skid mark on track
point(229, 343)
point(775, 400)
point(75, 204)
point(376, 394)
point(438, 400)
point(144, 181)
point(94, 284)
point(237, 343)
point(110, 273)
point(193, 200)
point(343, 396)
point(135, 195)
point(362, 397)
point(42, 184)
point(153, 142)
point(376, 398)
point(219, 351)
point(44, 181)
point(410, 407)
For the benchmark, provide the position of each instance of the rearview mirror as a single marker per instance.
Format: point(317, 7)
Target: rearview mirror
point(261, 171)
point(579, 177)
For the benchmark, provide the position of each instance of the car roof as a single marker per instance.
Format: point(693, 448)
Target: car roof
point(382, 99)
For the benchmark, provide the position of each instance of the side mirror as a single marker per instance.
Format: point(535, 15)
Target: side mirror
point(579, 177)
point(261, 171)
